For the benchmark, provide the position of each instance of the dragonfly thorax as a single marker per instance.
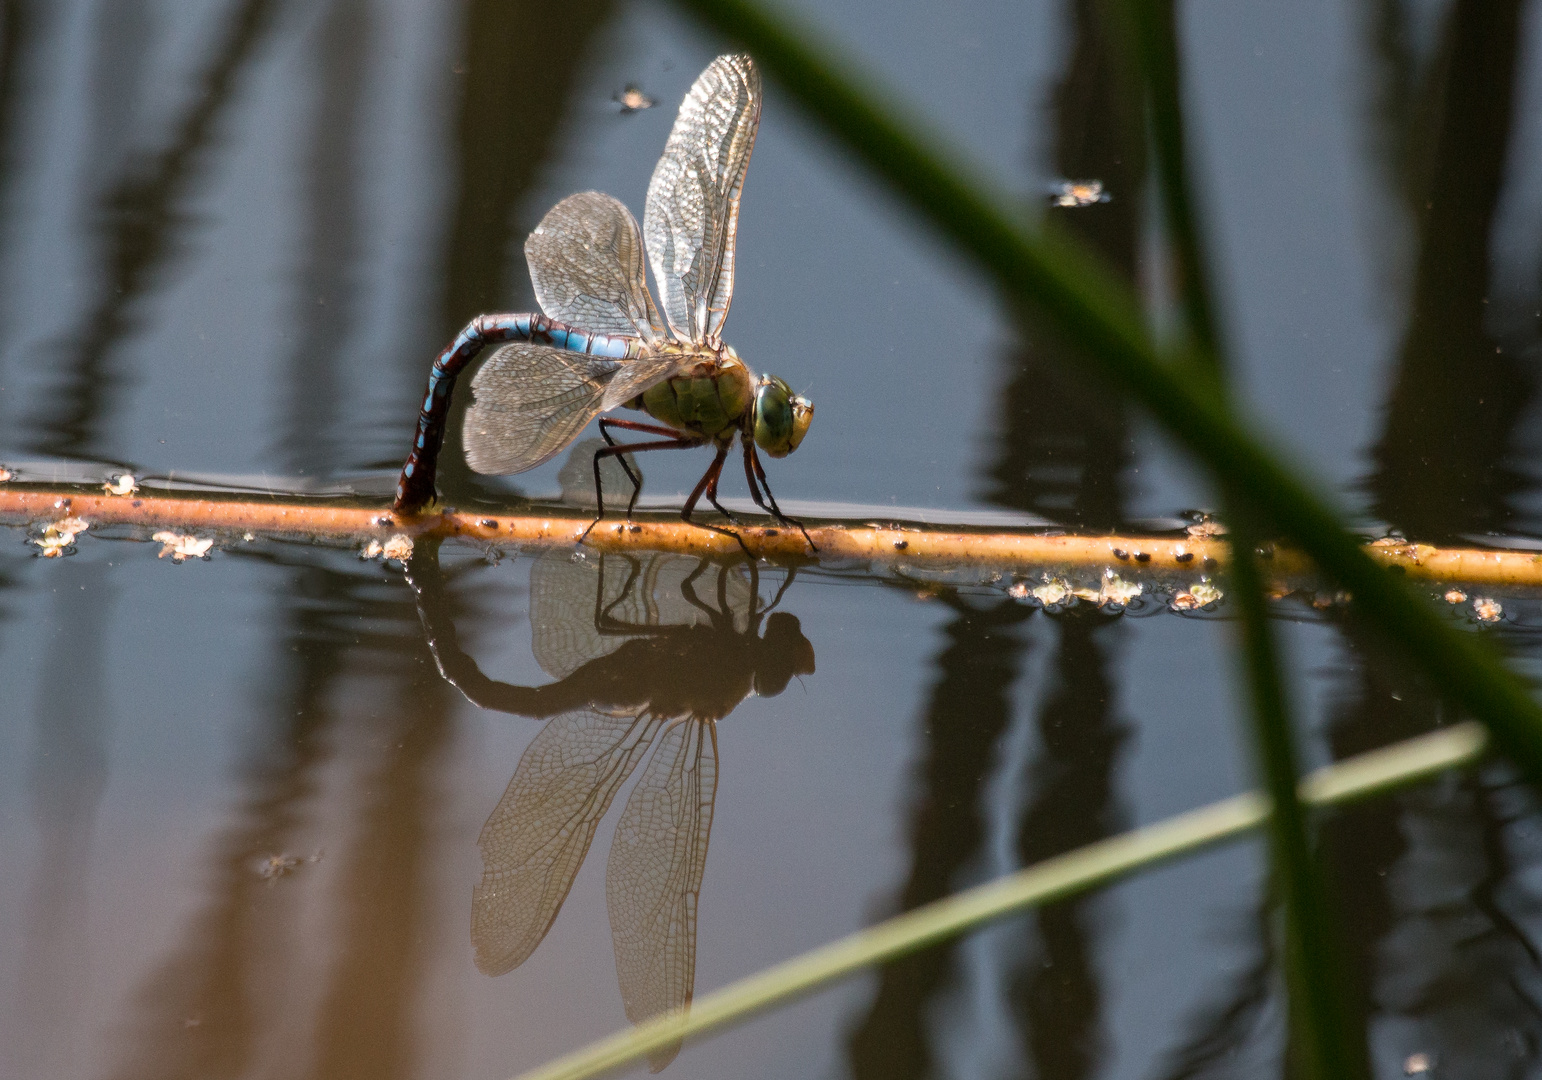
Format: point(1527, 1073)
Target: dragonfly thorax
point(712, 399)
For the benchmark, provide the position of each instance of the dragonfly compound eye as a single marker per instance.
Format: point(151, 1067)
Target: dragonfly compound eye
point(781, 419)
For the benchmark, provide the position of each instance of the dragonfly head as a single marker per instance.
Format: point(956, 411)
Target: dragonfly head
point(781, 417)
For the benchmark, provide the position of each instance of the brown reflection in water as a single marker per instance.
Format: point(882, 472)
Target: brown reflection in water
point(1057, 994)
point(513, 98)
point(327, 281)
point(141, 215)
point(1442, 465)
point(1426, 882)
point(24, 26)
point(648, 655)
point(1434, 909)
point(66, 778)
point(242, 992)
point(968, 711)
point(1064, 443)
point(1062, 449)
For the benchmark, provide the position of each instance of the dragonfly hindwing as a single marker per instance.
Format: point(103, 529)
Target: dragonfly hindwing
point(530, 401)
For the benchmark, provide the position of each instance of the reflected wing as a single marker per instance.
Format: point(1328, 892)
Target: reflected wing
point(653, 878)
point(537, 836)
point(576, 477)
point(529, 402)
point(586, 262)
point(692, 211)
point(563, 591)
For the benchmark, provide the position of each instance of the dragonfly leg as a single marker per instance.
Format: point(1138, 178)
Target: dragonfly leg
point(709, 478)
point(606, 423)
point(753, 470)
point(712, 498)
point(627, 448)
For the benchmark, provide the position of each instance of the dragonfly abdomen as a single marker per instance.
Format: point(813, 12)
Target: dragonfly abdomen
point(415, 487)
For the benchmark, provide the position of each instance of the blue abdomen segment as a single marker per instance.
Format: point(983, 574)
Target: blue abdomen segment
point(415, 486)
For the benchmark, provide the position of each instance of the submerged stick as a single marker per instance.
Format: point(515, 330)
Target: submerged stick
point(839, 542)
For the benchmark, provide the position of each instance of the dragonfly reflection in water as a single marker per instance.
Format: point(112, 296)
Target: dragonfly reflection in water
point(600, 344)
point(647, 654)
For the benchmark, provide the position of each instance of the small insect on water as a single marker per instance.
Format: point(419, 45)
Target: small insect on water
point(601, 345)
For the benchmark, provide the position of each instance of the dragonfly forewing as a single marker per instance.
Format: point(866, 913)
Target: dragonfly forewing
point(692, 210)
point(586, 262)
point(530, 401)
point(537, 836)
point(653, 877)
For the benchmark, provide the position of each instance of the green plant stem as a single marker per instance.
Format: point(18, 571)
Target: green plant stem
point(1326, 1046)
point(1096, 312)
point(1360, 777)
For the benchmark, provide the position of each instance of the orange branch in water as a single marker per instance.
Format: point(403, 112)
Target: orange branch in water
point(918, 546)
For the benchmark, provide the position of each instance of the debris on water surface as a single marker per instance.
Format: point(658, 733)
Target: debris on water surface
point(1018, 591)
point(1486, 609)
point(272, 867)
point(399, 547)
point(1205, 592)
point(1200, 594)
point(1455, 596)
point(1053, 591)
point(1205, 528)
point(122, 484)
point(1072, 193)
point(632, 99)
point(58, 537)
point(182, 546)
point(1118, 591)
point(1414, 1064)
point(6, 475)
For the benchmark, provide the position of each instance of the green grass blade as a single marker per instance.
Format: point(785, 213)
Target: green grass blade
point(1360, 777)
point(1096, 312)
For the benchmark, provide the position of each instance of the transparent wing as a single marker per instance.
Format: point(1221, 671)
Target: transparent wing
point(563, 635)
point(576, 477)
point(637, 375)
point(586, 262)
point(530, 401)
point(692, 211)
point(536, 838)
point(653, 877)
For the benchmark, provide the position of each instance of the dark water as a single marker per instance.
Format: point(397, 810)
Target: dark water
point(239, 804)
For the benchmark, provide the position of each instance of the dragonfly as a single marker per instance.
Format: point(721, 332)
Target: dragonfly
point(599, 343)
point(646, 656)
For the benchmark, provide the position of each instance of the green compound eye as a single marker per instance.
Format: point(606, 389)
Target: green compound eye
point(781, 418)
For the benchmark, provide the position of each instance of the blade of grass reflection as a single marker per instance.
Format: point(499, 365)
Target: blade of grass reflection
point(1320, 1025)
point(1357, 778)
point(1070, 287)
